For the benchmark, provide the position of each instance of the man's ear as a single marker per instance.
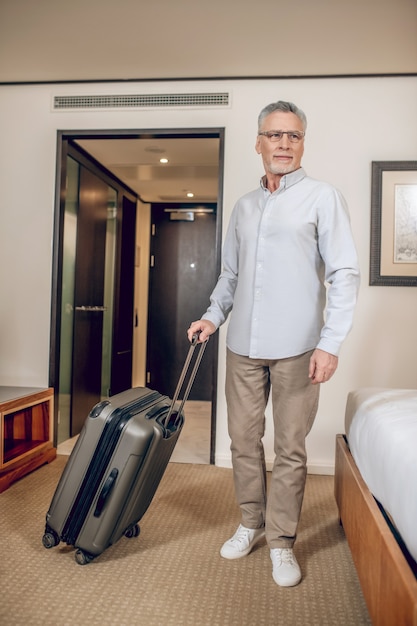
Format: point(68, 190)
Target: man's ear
point(258, 145)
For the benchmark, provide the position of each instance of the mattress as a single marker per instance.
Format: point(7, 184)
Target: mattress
point(381, 428)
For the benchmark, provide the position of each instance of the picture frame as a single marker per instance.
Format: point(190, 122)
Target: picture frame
point(393, 246)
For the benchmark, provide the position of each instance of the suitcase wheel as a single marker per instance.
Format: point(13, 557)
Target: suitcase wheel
point(83, 558)
point(50, 539)
point(133, 531)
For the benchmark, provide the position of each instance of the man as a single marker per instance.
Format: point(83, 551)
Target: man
point(285, 241)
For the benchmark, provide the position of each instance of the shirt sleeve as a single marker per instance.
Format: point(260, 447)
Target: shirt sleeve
point(221, 299)
point(338, 251)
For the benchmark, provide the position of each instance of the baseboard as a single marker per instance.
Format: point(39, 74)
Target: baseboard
point(224, 460)
point(322, 470)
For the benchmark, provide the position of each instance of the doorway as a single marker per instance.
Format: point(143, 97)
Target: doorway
point(210, 359)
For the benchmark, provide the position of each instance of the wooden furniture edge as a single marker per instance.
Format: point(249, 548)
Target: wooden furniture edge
point(388, 583)
point(27, 400)
point(40, 457)
point(41, 452)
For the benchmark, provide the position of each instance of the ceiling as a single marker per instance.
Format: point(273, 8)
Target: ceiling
point(55, 41)
point(193, 166)
point(96, 40)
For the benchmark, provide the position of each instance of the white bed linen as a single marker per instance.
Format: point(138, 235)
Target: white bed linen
point(381, 428)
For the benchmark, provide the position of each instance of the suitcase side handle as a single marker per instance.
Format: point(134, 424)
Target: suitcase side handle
point(105, 492)
point(192, 375)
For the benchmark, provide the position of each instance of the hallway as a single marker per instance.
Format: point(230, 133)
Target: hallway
point(193, 445)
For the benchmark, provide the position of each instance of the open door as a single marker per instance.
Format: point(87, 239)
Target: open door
point(89, 308)
point(97, 288)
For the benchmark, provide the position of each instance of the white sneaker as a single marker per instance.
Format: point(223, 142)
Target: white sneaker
point(242, 542)
point(285, 569)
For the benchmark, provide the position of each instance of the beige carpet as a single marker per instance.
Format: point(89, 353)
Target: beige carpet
point(172, 574)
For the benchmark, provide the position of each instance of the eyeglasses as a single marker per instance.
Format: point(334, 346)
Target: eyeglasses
point(276, 135)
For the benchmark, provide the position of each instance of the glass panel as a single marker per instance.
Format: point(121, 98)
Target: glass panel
point(67, 309)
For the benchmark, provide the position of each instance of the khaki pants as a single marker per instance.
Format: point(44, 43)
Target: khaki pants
point(294, 402)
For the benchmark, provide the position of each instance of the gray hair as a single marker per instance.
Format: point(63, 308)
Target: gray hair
point(285, 107)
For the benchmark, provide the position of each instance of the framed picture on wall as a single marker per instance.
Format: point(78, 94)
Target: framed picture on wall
point(393, 257)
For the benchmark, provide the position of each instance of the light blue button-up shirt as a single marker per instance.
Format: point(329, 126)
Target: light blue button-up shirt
point(280, 250)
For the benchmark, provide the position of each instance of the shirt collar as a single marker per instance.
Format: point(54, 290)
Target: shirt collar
point(288, 179)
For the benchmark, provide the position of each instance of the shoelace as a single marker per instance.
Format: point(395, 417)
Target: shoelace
point(285, 555)
point(241, 535)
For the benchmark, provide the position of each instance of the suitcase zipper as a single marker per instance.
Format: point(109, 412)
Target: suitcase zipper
point(98, 465)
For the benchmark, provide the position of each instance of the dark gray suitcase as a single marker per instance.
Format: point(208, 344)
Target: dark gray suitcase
point(116, 466)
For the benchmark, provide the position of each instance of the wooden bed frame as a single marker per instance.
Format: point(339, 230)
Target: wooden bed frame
point(388, 583)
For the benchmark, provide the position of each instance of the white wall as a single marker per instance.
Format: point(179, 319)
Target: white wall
point(352, 122)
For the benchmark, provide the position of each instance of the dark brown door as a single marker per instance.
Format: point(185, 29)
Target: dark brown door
point(88, 297)
point(181, 280)
point(121, 367)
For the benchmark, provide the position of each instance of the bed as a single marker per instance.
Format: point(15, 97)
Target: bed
point(376, 493)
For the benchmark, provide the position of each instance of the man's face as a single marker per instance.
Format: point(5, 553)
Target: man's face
point(283, 156)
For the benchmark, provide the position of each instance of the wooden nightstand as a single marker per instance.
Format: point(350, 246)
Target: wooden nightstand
point(26, 431)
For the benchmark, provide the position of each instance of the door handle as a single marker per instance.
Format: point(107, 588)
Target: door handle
point(91, 308)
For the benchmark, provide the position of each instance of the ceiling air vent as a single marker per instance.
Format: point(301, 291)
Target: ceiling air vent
point(139, 101)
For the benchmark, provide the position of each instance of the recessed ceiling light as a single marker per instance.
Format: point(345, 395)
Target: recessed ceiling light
point(163, 160)
point(190, 194)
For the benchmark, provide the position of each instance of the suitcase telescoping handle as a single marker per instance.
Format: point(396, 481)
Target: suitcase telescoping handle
point(194, 343)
